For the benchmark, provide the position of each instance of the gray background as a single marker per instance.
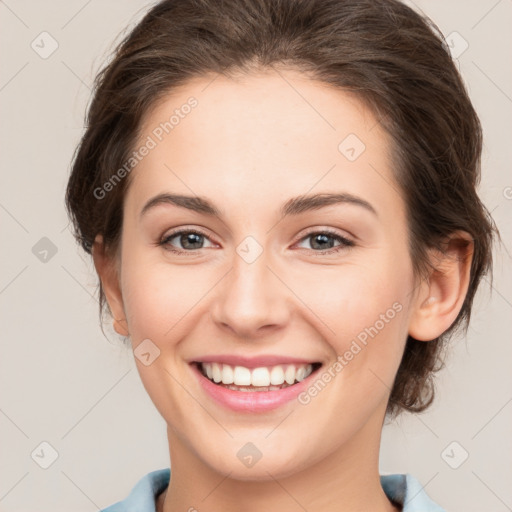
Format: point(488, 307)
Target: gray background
point(64, 384)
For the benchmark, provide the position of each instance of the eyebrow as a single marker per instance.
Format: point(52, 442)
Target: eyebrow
point(293, 206)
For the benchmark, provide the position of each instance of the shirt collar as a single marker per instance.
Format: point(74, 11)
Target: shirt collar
point(402, 489)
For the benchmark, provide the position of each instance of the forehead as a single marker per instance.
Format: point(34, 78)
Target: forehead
point(269, 133)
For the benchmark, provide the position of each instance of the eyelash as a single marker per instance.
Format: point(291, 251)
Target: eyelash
point(345, 243)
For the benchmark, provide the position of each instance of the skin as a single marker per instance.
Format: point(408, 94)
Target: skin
point(249, 146)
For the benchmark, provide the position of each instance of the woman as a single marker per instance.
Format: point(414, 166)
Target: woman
point(279, 198)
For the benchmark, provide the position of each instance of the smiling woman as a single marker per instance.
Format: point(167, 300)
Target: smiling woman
point(295, 252)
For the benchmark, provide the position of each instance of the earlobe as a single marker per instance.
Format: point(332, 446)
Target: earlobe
point(440, 296)
point(108, 274)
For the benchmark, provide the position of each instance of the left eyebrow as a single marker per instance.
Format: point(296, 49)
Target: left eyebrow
point(300, 204)
point(293, 206)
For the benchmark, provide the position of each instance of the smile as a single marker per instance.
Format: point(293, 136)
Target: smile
point(259, 379)
point(253, 390)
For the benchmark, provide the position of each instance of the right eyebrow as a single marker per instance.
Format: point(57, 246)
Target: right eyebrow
point(194, 203)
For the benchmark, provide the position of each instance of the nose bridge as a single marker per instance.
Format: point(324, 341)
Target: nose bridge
point(251, 296)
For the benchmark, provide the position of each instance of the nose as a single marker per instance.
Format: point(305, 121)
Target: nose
point(251, 300)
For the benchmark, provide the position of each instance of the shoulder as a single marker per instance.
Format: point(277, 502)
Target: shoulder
point(143, 496)
point(406, 490)
point(403, 489)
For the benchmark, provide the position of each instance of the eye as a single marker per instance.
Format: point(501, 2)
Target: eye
point(324, 241)
point(189, 240)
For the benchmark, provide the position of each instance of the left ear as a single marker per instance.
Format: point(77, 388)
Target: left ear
point(441, 295)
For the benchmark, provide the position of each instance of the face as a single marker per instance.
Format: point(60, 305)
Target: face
point(265, 275)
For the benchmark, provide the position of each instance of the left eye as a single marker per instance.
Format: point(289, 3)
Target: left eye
point(324, 241)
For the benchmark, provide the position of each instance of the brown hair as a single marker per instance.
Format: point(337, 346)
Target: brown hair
point(393, 58)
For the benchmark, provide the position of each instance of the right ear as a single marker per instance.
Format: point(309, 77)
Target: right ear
point(108, 274)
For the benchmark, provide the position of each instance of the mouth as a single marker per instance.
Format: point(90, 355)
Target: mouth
point(255, 380)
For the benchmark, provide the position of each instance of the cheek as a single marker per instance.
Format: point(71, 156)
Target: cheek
point(352, 298)
point(365, 310)
point(162, 304)
point(158, 296)
point(148, 312)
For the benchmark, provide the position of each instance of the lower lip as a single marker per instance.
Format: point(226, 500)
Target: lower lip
point(251, 401)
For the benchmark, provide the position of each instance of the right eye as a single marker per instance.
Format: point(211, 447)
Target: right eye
point(189, 239)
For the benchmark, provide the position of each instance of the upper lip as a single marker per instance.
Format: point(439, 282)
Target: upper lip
point(252, 362)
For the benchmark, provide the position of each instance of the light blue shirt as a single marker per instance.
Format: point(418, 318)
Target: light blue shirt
point(403, 490)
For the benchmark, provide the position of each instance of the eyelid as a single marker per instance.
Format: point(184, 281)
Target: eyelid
point(181, 229)
point(328, 231)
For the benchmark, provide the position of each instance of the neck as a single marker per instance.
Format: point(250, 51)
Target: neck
point(348, 477)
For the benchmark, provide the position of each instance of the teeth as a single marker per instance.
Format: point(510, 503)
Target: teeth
point(260, 377)
point(289, 374)
point(241, 376)
point(269, 378)
point(216, 371)
point(277, 376)
point(227, 374)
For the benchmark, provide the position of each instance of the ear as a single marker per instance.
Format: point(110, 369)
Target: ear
point(440, 296)
point(109, 276)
